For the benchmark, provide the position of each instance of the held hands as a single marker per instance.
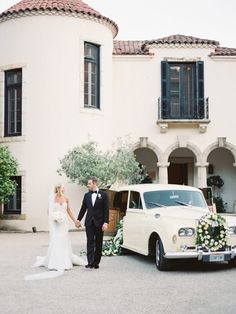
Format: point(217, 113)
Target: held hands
point(104, 227)
point(77, 224)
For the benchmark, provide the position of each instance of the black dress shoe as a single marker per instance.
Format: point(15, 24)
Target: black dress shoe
point(96, 266)
point(89, 266)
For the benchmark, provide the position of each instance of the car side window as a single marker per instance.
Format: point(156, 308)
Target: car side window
point(135, 200)
point(121, 200)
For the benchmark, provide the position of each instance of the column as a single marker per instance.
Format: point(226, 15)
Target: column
point(202, 174)
point(163, 172)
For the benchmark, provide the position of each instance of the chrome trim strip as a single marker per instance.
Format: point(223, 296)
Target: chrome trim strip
point(198, 254)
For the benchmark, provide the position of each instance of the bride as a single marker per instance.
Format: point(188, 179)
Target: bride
point(59, 255)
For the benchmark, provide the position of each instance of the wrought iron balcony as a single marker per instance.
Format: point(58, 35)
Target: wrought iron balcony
point(183, 109)
point(187, 112)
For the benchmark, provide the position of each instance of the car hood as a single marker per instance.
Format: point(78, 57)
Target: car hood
point(180, 212)
point(231, 220)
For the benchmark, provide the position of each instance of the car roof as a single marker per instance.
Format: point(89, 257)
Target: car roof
point(148, 187)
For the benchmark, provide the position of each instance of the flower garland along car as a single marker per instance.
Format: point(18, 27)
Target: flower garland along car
point(112, 247)
point(212, 232)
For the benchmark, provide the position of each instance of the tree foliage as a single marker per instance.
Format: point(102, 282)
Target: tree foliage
point(8, 168)
point(86, 161)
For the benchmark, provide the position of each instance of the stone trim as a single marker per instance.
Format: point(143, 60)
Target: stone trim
point(223, 58)
point(221, 142)
point(13, 217)
point(184, 45)
point(3, 68)
point(132, 57)
point(201, 124)
point(184, 59)
point(145, 143)
point(21, 216)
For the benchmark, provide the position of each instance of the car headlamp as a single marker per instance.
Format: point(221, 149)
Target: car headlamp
point(186, 232)
point(232, 230)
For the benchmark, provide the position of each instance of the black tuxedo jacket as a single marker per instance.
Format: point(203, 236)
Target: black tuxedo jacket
point(99, 213)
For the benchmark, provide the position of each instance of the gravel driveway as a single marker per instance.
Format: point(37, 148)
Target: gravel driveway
point(125, 284)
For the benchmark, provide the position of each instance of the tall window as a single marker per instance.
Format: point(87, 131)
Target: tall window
point(14, 204)
point(13, 102)
point(91, 75)
point(182, 90)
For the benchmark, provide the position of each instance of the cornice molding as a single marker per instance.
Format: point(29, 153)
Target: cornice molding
point(27, 13)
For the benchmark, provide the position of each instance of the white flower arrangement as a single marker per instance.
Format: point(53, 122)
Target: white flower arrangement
point(58, 217)
point(113, 247)
point(212, 232)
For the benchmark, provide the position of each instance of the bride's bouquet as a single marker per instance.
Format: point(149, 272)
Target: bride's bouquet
point(58, 217)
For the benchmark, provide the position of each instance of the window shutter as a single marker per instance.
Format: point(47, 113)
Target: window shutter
point(200, 90)
point(164, 90)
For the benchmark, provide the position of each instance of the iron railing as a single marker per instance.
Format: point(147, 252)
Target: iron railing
point(185, 109)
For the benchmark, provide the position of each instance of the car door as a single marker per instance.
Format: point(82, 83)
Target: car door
point(134, 224)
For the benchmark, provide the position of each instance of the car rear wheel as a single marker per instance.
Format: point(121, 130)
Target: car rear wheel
point(161, 262)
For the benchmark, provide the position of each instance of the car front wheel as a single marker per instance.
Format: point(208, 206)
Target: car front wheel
point(161, 262)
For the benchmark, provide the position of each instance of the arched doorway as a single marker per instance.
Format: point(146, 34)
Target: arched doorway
point(181, 169)
point(146, 157)
point(221, 162)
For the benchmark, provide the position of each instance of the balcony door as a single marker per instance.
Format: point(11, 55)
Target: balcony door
point(182, 90)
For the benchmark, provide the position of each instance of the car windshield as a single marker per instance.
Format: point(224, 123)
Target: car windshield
point(173, 198)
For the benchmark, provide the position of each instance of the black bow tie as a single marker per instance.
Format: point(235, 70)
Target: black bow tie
point(95, 192)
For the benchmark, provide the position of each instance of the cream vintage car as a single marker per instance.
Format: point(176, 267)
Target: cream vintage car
point(163, 221)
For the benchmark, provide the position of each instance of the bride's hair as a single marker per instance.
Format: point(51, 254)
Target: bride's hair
point(57, 187)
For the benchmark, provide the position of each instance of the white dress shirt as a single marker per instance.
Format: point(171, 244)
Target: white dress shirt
point(94, 197)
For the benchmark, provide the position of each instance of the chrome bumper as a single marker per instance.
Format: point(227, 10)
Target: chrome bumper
point(201, 255)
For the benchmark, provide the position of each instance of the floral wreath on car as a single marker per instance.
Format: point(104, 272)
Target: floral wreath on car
point(212, 232)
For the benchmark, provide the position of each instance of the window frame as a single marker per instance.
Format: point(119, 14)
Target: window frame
point(197, 110)
point(18, 88)
point(139, 201)
point(95, 61)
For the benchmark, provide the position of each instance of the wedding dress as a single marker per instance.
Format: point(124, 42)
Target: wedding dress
point(59, 255)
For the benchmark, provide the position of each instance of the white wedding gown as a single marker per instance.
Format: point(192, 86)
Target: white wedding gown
point(59, 255)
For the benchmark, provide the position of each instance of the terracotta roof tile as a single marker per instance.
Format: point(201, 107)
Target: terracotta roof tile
point(224, 51)
point(73, 6)
point(142, 47)
point(122, 47)
point(182, 39)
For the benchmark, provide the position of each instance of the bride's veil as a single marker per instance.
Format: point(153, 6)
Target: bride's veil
point(40, 259)
point(51, 201)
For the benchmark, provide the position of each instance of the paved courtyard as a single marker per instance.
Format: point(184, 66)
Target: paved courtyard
point(125, 284)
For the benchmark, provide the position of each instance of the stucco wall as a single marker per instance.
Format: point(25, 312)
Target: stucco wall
point(51, 51)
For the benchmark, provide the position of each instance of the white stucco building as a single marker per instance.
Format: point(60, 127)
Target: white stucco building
point(64, 79)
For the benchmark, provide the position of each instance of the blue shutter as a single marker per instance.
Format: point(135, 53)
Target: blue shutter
point(164, 90)
point(200, 89)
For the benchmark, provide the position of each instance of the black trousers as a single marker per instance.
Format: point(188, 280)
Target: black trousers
point(94, 244)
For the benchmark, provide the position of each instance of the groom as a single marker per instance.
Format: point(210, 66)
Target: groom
point(95, 202)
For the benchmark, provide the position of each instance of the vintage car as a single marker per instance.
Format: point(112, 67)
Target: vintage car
point(165, 221)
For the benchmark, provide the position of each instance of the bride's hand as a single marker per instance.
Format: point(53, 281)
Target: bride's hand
point(77, 224)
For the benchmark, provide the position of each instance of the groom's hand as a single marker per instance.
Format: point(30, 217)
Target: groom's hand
point(104, 227)
point(77, 223)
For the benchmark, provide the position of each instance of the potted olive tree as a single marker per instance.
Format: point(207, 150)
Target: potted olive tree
point(216, 183)
point(118, 165)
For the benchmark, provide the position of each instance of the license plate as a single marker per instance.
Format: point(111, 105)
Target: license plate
point(217, 258)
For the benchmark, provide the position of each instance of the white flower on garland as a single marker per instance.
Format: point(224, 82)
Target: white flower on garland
point(113, 247)
point(212, 232)
point(58, 217)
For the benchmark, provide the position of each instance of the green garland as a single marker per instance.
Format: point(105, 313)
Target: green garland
point(112, 247)
point(212, 232)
